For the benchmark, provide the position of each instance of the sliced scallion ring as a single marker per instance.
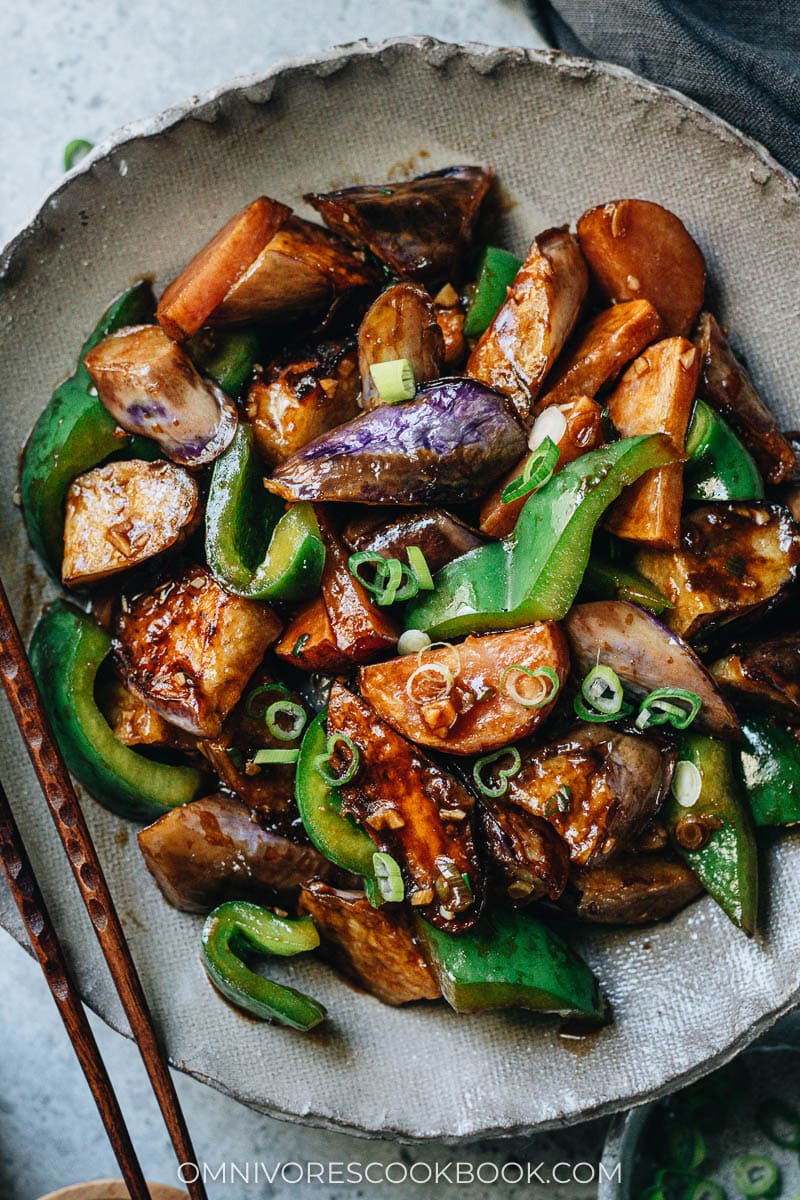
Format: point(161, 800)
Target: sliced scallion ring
point(495, 791)
point(591, 714)
point(416, 560)
point(377, 583)
point(285, 710)
point(538, 471)
point(276, 756)
point(322, 761)
point(394, 380)
point(602, 690)
point(393, 578)
point(756, 1175)
point(388, 877)
point(263, 690)
point(780, 1123)
point(392, 581)
point(412, 641)
point(431, 669)
point(74, 151)
point(687, 784)
point(546, 695)
point(669, 706)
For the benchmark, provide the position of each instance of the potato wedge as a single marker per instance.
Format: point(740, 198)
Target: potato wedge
point(413, 810)
point(733, 560)
point(361, 630)
point(308, 642)
point(525, 338)
point(400, 323)
point(634, 889)
point(598, 788)
point(134, 722)
point(583, 431)
point(531, 857)
point(294, 403)
point(374, 947)
point(451, 322)
point(637, 250)
point(120, 515)
point(727, 386)
point(188, 648)
point(478, 713)
point(655, 395)
point(614, 337)
point(193, 296)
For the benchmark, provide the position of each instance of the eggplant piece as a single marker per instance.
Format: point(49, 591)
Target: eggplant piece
point(374, 947)
point(298, 401)
point(120, 515)
point(645, 655)
point(655, 395)
point(531, 856)
point(188, 648)
point(637, 250)
point(734, 560)
point(151, 387)
point(612, 339)
point(190, 299)
point(477, 713)
point(597, 786)
point(214, 849)
point(445, 446)
point(413, 810)
point(634, 889)
point(361, 630)
point(401, 323)
point(727, 386)
point(422, 230)
point(438, 534)
point(765, 675)
point(525, 338)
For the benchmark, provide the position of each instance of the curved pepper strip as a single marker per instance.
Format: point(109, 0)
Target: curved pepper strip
point(73, 434)
point(607, 580)
point(770, 771)
point(66, 652)
point(719, 467)
point(242, 518)
point(228, 356)
point(534, 573)
point(238, 928)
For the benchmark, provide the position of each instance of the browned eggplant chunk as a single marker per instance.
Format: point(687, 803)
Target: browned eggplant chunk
point(361, 630)
point(421, 229)
point(597, 786)
point(727, 386)
point(120, 515)
point(400, 323)
point(764, 674)
point(214, 849)
point(413, 810)
point(451, 317)
point(437, 533)
point(532, 858)
point(525, 338)
point(189, 648)
point(634, 889)
point(374, 947)
point(733, 560)
point(455, 699)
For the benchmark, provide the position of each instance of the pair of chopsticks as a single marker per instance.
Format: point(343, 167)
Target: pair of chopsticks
point(20, 687)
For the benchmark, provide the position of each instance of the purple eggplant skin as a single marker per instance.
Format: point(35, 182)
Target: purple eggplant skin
point(214, 849)
point(447, 445)
point(439, 535)
point(646, 655)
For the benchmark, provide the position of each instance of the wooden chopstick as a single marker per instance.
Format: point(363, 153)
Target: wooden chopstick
point(43, 938)
point(29, 712)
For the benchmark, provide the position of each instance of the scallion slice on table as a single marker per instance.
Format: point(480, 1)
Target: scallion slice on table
point(780, 1123)
point(756, 1175)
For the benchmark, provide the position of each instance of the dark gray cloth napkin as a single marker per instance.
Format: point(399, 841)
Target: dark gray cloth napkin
point(740, 58)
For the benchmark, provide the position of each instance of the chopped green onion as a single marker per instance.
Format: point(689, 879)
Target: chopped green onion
point(780, 1123)
point(276, 756)
point(388, 877)
point(602, 690)
point(322, 761)
point(494, 791)
point(420, 568)
point(686, 1146)
point(736, 565)
point(262, 691)
point(285, 709)
point(659, 708)
point(445, 687)
point(297, 648)
point(705, 1189)
point(236, 757)
point(392, 582)
point(756, 1175)
point(591, 714)
point(551, 423)
point(412, 641)
point(538, 471)
point(393, 579)
point(546, 694)
point(394, 380)
point(687, 784)
point(371, 557)
point(74, 151)
point(560, 802)
point(467, 883)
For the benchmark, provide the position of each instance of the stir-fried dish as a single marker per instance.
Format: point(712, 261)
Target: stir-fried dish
point(417, 593)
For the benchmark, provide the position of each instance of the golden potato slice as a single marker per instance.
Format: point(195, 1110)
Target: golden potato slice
point(189, 648)
point(451, 322)
point(400, 323)
point(309, 643)
point(655, 395)
point(637, 250)
point(134, 722)
point(124, 513)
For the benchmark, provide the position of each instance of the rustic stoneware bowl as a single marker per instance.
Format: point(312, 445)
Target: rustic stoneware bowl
point(562, 135)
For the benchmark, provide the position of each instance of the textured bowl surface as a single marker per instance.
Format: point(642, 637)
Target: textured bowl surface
point(562, 135)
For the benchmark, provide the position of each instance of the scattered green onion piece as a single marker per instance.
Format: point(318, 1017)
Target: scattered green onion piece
point(561, 802)
point(262, 691)
point(659, 708)
point(495, 791)
point(675, 1182)
point(420, 568)
point(236, 757)
point(538, 471)
point(686, 1146)
point(467, 883)
point(392, 582)
point(687, 784)
point(276, 756)
point(74, 151)
point(297, 648)
point(780, 1123)
point(705, 1189)
point(322, 761)
point(288, 709)
point(411, 641)
point(602, 690)
point(541, 673)
point(371, 557)
point(393, 579)
point(591, 714)
point(388, 877)
point(756, 1175)
point(394, 380)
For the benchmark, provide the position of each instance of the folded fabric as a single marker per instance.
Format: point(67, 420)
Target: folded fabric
point(739, 58)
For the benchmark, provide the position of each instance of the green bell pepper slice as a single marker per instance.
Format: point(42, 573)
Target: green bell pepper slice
point(607, 580)
point(726, 863)
point(73, 434)
point(255, 546)
point(66, 652)
point(228, 356)
point(497, 270)
point(511, 960)
point(238, 928)
point(769, 767)
point(719, 467)
point(534, 574)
